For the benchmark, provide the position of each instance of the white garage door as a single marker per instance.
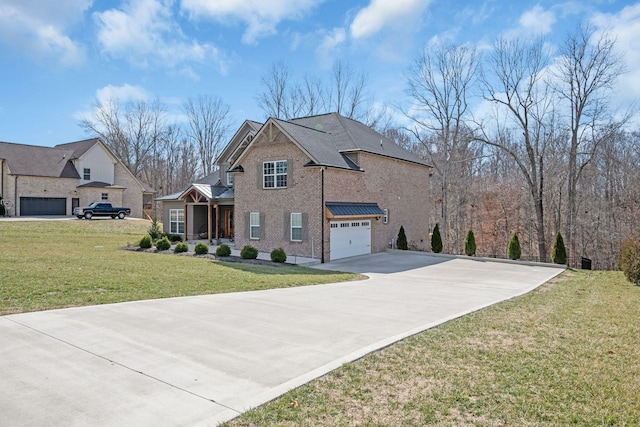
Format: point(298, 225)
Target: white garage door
point(349, 238)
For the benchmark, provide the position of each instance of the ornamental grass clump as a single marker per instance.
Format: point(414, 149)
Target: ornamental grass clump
point(249, 252)
point(223, 250)
point(201, 248)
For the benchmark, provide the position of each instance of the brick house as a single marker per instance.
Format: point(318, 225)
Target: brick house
point(38, 180)
point(325, 186)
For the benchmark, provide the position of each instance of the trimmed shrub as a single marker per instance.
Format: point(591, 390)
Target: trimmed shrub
point(154, 230)
point(401, 243)
point(514, 251)
point(249, 252)
point(470, 244)
point(201, 248)
point(559, 252)
point(173, 238)
point(163, 244)
point(629, 259)
point(145, 242)
point(278, 255)
point(436, 240)
point(223, 250)
point(181, 247)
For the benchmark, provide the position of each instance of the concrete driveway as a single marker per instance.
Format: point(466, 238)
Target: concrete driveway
point(203, 360)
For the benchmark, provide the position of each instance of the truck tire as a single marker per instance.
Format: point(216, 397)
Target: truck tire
point(88, 215)
point(121, 215)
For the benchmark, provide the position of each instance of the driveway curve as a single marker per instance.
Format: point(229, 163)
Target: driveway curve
point(206, 359)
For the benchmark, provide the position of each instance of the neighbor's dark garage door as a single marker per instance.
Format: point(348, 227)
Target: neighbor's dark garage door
point(43, 206)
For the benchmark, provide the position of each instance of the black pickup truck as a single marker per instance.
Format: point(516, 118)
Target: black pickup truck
point(101, 209)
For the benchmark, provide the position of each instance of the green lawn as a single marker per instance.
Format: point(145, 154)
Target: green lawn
point(52, 264)
point(565, 354)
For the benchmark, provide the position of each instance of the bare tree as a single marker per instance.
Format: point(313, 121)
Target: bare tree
point(438, 85)
point(524, 122)
point(207, 127)
point(587, 71)
point(346, 93)
point(133, 131)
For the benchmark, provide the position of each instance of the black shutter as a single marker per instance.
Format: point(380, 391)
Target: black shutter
point(305, 227)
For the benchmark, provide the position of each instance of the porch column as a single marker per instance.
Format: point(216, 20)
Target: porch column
point(217, 206)
point(186, 224)
point(209, 220)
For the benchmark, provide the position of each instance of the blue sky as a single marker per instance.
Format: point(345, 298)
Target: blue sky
point(57, 58)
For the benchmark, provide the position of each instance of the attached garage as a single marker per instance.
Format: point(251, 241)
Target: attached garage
point(349, 238)
point(43, 206)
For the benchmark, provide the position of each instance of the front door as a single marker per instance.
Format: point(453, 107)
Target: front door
point(228, 223)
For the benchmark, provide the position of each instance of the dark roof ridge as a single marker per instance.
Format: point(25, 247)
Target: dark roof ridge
point(81, 140)
point(299, 125)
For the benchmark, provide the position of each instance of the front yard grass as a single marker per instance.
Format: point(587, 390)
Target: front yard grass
point(565, 354)
point(53, 264)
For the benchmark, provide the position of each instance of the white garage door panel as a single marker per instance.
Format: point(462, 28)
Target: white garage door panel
point(349, 238)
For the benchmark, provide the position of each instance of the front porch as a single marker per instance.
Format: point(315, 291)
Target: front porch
point(208, 214)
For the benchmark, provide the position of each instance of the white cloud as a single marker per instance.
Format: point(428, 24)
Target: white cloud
point(260, 16)
point(625, 27)
point(383, 13)
point(537, 20)
point(40, 29)
point(145, 31)
point(330, 42)
point(123, 93)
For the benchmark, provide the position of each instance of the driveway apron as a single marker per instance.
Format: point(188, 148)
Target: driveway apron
point(206, 359)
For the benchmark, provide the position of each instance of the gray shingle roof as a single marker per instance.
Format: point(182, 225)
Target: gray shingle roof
point(34, 160)
point(353, 209)
point(346, 135)
point(79, 147)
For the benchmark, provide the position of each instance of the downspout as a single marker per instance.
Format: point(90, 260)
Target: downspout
point(15, 196)
point(322, 219)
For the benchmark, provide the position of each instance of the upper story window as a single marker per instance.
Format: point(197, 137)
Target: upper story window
point(87, 174)
point(229, 179)
point(274, 174)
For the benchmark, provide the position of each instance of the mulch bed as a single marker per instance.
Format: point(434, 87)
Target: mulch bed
point(231, 258)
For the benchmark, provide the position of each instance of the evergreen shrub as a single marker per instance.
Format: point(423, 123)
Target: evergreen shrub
point(401, 243)
point(278, 255)
point(201, 248)
point(559, 252)
point(436, 240)
point(514, 251)
point(223, 250)
point(470, 244)
point(249, 252)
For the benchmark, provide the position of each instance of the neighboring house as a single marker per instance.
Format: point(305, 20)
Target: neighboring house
point(38, 180)
point(325, 186)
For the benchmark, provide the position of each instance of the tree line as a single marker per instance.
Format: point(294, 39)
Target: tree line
point(521, 139)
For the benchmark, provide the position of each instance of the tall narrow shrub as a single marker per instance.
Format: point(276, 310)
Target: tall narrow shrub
point(513, 251)
point(470, 244)
point(436, 240)
point(559, 252)
point(402, 240)
point(629, 259)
